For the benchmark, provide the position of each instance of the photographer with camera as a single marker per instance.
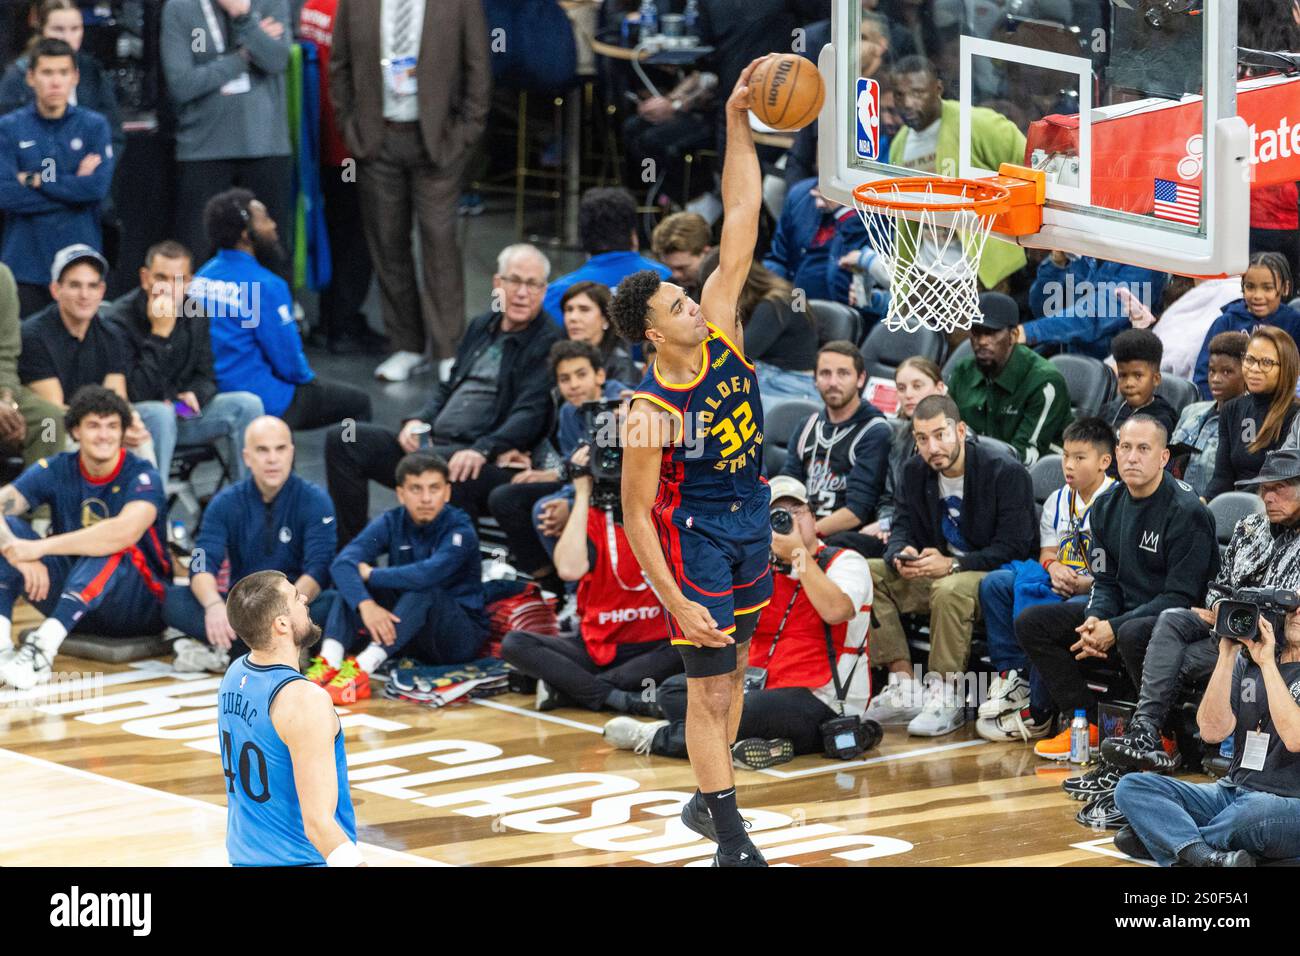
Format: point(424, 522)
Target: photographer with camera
point(794, 702)
point(621, 650)
point(1264, 552)
point(1253, 812)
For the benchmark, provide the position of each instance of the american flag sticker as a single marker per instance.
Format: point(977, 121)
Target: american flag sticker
point(1177, 203)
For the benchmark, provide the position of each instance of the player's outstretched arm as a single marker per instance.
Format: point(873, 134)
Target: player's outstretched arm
point(97, 541)
point(647, 432)
point(742, 202)
point(304, 717)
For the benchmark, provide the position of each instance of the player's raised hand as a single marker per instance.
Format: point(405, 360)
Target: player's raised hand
point(739, 98)
point(699, 627)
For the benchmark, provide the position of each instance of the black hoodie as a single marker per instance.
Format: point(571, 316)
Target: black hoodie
point(842, 465)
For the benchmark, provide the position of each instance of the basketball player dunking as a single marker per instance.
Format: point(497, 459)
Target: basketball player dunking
point(281, 743)
point(694, 503)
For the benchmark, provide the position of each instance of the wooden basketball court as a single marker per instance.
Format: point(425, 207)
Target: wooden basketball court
point(115, 765)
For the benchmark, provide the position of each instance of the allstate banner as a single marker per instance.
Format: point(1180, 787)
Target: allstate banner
point(1147, 157)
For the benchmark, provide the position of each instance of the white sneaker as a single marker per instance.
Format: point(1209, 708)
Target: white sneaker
point(1012, 726)
point(26, 668)
point(941, 713)
point(628, 733)
point(1005, 694)
point(398, 366)
point(898, 703)
point(196, 657)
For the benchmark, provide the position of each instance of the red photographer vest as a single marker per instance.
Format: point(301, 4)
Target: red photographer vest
point(614, 599)
point(800, 658)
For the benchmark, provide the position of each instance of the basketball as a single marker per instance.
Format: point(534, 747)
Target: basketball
point(786, 92)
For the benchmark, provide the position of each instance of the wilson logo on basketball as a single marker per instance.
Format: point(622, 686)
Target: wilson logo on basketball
point(778, 81)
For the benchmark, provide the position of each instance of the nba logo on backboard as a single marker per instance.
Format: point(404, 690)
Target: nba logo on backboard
point(868, 138)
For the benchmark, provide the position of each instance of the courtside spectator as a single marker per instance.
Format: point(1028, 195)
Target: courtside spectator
point(1008, 391)
point(1253, 424)
point(255, 342)
point(579, 378)
point(169, 376)
point(681, 241)
point(29, 425)
point(813, 236)
point(427, 603)
point(780, 334)
point(1062, 574)
point(1082, 303)
point(1153, 547)
point(916, 378)
point(56, 166)
point(1265, 288)
point(824, 600)
point(62, 20)
point(841, 454)
point(1264, 552)
point(1196, 438)
point(962, 510)
point(103, 568)
point(411, 85)
point(225, 63)
point(496, 401)
point(621, 648)
point(272, 520)
point(1252, 811)
point(68, 345)
point(1137, 366)
point(1187, 318)
point(585, 310)
point(607, 233)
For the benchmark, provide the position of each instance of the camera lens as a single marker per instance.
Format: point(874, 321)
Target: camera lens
point(1241, 622)
point(782, 521)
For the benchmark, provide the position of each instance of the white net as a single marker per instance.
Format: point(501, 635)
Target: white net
point(933, 260)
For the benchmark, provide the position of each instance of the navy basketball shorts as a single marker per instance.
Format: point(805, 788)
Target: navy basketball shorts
point(720, 556)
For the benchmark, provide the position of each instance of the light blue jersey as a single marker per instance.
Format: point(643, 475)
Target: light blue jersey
point(263, 819)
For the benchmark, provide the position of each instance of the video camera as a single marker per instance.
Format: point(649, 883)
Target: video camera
point(1238, 617)
point(600, 425)
point(848, 737)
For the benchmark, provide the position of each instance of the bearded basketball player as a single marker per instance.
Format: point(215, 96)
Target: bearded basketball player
point(695, 504)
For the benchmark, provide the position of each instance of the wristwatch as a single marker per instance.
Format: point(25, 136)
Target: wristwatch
point(955, 568)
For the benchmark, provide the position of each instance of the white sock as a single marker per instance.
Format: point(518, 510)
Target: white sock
point(372, 657)
point(6, 633)
point(49, 636)
point(332, 652)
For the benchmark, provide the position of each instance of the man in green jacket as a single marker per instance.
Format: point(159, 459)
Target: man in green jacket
point(27, 423)
point(930, 142)
point(1008, 391)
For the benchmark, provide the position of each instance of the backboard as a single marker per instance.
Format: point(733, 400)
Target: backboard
point(1129, 106)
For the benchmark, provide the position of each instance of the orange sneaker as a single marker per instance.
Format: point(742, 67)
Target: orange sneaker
point(1058, 747)
point(350, 684)
point(320, 672)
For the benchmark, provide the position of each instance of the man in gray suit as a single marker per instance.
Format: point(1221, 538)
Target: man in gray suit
point(411, 85)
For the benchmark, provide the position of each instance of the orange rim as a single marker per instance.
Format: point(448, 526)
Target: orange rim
point(971, 195)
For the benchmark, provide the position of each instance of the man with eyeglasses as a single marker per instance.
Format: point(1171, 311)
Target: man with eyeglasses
point(483, 420)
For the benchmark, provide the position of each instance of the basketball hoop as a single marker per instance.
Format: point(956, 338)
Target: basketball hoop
point(930, 232)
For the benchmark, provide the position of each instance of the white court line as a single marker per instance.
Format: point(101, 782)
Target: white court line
point(1094, 846)
point(189, 801)
point(837, 767)
point(562, 721)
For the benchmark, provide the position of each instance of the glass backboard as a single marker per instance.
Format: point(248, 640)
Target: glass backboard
point(1129, 106)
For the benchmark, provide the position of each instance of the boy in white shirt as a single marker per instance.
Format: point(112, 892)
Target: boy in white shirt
point(1065, 539)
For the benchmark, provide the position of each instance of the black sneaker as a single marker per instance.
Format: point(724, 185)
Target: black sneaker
point(1141, 748)
point(1127, 841)
point(549, 698)
point(755, 753)
point(696, 818)
point(1101, 813)
point(747, 855)
point(1102, 778)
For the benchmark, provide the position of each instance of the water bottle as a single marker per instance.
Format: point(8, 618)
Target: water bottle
point(692, 16)
point(649, 19)
point(1080, 751)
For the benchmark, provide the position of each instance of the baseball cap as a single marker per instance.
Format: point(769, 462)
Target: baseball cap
point(1000, 311)
point(783, 486)
point(70, 255)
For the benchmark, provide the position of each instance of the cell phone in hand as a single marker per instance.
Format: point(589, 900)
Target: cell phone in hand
point(908, 558)
point(184, 410)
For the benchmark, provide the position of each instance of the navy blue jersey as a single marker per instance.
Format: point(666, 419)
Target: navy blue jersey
point(263, 817)
point(79, 501)
point(294, 532)
point(718, 454)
